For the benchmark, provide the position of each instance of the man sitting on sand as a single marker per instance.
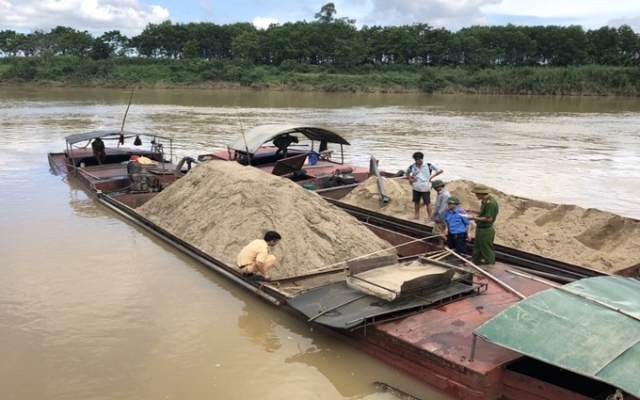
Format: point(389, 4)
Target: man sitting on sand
point(255, 256)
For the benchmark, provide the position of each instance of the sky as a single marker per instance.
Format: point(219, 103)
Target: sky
point(131, 16)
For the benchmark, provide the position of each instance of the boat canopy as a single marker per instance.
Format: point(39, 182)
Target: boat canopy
point(81, 137)
point(252, 139)
point(590, 327)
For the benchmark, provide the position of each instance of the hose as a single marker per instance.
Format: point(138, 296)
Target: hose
point(178, 172)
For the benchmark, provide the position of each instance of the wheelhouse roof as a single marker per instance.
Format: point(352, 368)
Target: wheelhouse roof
point(590, 327)
point(81, 137)
point(256, 137)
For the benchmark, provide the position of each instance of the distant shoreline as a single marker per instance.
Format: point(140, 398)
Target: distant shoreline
point(590, 80)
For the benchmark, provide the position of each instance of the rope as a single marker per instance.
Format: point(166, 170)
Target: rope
point(616, 396)
point(370, 254)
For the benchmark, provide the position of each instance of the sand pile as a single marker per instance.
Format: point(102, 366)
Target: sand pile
point(221, 206)
point(588, 237)
point(367, 195)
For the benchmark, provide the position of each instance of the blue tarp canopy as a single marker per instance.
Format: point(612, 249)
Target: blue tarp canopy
point(590, 327)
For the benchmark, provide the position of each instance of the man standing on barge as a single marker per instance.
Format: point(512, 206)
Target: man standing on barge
point(255, 257)
point(420, 176)
point(439, 226)
point(483, 251)
point(457, 226)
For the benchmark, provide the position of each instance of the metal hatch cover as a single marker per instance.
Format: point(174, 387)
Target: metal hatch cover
point(590, 327)
point(340, 307)
point(289, 165)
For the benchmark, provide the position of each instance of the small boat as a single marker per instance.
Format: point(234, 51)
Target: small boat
point(427, 323)
point(316, 160)
point(114, 170)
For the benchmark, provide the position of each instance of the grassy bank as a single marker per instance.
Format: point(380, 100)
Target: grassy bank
point(150, 72)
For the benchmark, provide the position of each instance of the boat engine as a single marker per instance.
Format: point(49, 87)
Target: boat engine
point(139, 182)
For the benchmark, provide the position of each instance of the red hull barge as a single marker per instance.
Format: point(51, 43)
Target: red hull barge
point(434, 341)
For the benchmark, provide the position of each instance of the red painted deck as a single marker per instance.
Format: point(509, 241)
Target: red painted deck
point(435, 346)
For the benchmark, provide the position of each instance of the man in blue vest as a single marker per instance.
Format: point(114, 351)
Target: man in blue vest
point(458, 226)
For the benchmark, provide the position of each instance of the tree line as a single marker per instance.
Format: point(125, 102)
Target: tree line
point(337, 42)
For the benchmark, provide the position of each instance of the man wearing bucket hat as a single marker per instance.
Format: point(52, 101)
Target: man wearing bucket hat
point(457, 226)
point(483, 250)
point(419, 174)
point(439, 207)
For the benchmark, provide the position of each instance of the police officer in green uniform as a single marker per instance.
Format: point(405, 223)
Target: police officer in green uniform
point(483, 251)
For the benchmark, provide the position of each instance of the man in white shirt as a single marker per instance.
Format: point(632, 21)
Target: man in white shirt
point(420, 176)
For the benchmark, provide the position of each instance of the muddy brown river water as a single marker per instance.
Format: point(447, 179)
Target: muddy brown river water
point(93, 308)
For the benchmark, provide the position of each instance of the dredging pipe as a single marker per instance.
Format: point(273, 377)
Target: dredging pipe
point(373, 168)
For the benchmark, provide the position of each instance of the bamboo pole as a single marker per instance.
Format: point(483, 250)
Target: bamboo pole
point(533, 278)
point(84, 171)
point(328, 310)
point(488, 275)
point(370, 254)
point(127, 111)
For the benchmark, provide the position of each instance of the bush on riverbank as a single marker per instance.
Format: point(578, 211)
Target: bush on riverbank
point(290, 75)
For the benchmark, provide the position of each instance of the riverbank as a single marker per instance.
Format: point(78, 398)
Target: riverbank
point(211, 75)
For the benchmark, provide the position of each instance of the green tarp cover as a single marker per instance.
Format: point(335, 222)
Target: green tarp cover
point(575, 333)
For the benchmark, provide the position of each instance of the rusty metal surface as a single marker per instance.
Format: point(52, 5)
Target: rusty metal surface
point(58, 163)
point(446, 332)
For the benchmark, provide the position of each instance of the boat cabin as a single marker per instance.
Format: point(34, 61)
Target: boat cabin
point(108, 167)
point(268, 144)
point(79, 149)
point(311, 156)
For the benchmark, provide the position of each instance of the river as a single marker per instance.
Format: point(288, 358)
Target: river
point(93, 308)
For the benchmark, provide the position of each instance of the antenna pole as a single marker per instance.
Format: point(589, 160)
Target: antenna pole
point(126, 112)
point(246, 147)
